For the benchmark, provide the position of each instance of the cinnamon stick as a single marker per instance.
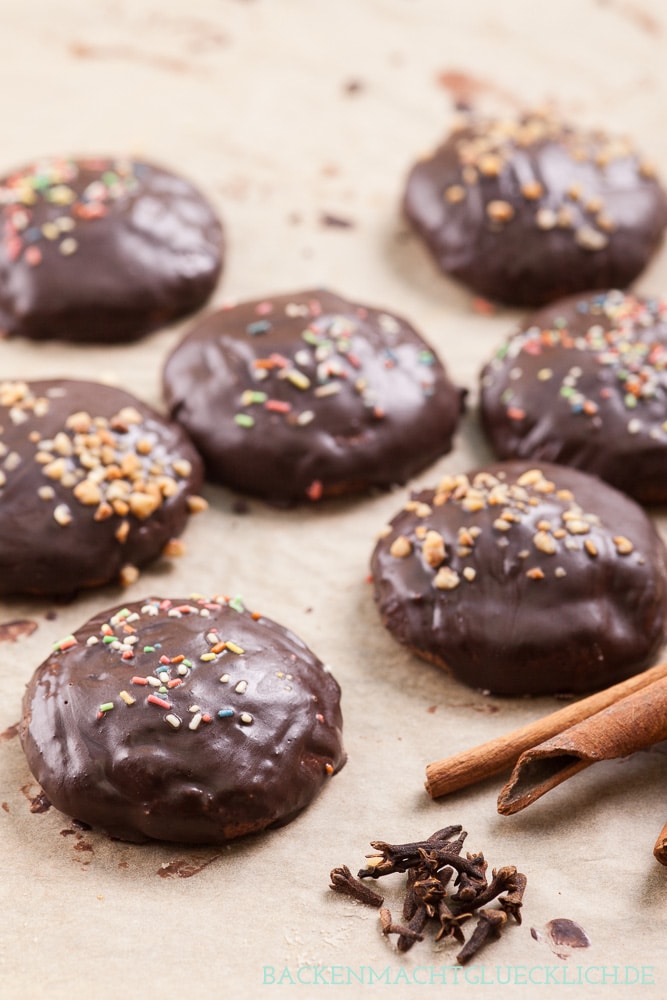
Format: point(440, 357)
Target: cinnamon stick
point(633, 723)
point(483, 761)
point(660, 849)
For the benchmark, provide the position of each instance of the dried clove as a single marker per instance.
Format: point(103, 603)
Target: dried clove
point(430, 865)
point(513, 901)
point(429, 891)
point(450, 923)
point(471, 878)
point(343, 881)
point(400, 857)
point(410, 902)
point(389, 927)
point(501, 881)
point(414, 930)
point(488, 927)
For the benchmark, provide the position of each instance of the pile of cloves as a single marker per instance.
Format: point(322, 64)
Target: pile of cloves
point(431, 865)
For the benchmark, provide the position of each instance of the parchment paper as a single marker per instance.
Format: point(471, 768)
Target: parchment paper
point(285, 112)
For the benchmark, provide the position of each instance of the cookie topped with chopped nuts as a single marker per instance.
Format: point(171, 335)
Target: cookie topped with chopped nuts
point(102, 249)
point(527, 209)
point(308, 395)
point(93, 485)
point(182, 719)
point(583, 382)
point(524, 580)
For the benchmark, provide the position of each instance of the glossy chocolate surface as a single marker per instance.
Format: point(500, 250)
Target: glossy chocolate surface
point(522, 579)
point(527, 210)
point(182, 720)
point(102, 249)
point(309, 395)
point(92, 483)
point(584, 383)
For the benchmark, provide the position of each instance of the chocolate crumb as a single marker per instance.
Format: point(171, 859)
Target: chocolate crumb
point(40, 804)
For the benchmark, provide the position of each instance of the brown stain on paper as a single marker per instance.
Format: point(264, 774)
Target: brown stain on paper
point(15, 630)
point(79, 844)
point(185, 867)
point(10, 733)
point(83, 847)
point(464, 88)
point(332, 221)
point(563, 936)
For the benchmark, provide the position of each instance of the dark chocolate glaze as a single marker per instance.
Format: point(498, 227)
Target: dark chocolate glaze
point(525, 211)
point(349, 397)
point(551, 581)
point(57, 535)
point(584, 383)
point(182, 773)
point(102, 249)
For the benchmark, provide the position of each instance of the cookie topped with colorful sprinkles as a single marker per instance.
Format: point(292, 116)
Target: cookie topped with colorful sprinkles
point(102, 249)
point(310, 395)
point(524, 579)
point(190, 720)
point(584, 383)
point(94, 484)
point(527, 209)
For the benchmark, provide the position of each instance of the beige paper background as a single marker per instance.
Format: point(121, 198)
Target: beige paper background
point(251, 100)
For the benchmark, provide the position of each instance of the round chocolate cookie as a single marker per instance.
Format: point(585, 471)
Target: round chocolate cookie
point(584, 383)
point(102, 249)
point(527, 210)
point(525, 580)
point(182, 720)
point(93, 484)
point(309, 395)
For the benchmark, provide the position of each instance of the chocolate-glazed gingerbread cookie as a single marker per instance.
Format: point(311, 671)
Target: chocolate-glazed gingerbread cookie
point(93, 484)
point(525, 580)
point(309, 395)
point(584, 383)
point(525, 210)
point(182, 720)
point(101, 249)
